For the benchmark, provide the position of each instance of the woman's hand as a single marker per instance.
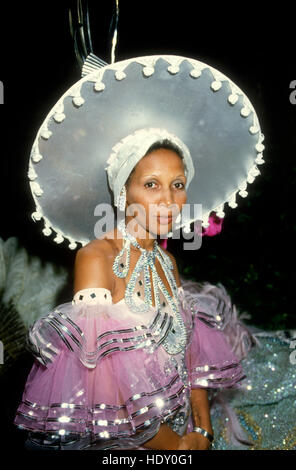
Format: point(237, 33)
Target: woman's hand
point(194, 441)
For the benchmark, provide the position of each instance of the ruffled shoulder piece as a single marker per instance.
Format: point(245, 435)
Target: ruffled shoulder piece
point(92, 327)
point(101, 373)
point(209, 302)
point(213, 306)
point(92, 296)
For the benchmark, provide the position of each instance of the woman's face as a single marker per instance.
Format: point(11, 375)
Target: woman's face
point(157, 186)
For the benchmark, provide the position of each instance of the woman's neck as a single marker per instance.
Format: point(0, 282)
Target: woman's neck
point(143, 237)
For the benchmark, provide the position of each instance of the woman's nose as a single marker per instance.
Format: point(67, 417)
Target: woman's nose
point(167, 197)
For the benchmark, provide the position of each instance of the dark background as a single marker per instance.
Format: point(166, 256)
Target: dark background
point(253, 255)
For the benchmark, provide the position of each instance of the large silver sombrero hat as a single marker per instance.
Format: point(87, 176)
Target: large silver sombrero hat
point(188, 98)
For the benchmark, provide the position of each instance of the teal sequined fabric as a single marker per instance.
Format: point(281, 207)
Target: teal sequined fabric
point(267, 409)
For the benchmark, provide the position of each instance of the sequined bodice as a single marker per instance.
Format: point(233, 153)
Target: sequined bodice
point(138, 292)
point(94, 295)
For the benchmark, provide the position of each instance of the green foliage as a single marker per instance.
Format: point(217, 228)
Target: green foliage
point(12, 333)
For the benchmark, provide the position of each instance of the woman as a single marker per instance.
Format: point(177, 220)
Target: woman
point(132, 360)
point(93, 271)
point(94, 263)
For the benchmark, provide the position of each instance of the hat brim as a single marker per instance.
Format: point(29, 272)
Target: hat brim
point(188, 98)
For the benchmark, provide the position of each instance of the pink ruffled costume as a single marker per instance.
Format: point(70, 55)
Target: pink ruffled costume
point(102, 379)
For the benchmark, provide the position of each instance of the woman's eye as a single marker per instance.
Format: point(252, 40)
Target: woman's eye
point(150, 182)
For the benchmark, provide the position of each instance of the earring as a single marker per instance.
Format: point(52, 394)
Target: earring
point(122, 199)
point(187, 227)
point(178, 218)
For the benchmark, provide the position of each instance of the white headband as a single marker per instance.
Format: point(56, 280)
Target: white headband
point(129, 151)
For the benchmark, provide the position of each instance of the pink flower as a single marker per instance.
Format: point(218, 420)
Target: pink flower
point(215, 226)
point(163, 243)
point(213, 229)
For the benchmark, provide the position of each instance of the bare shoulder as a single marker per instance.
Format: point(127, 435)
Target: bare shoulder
point(176, 271)
point(93, 263)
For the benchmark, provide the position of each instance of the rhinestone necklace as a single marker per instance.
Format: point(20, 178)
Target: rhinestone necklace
point(139, 286)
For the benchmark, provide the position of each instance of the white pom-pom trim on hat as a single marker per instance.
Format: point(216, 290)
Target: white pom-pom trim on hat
point(232, 99)
point(148, 70)
point(195, 73)
point(99, 86)
point(216, 85)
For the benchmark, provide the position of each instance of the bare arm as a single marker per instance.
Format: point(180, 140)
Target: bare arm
point(201, 409)
point(92, 268)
